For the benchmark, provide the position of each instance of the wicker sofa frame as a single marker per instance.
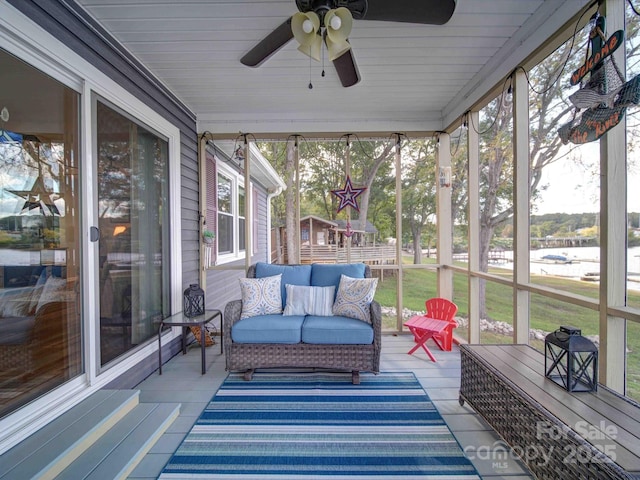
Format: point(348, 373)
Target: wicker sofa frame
point(248, 357)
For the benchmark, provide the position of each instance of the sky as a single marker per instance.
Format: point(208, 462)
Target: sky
point(572, 187)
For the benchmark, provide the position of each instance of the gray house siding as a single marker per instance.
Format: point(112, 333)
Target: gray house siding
point(190, 198)
point(263, 227)
point(71, 25)
point(223, 285)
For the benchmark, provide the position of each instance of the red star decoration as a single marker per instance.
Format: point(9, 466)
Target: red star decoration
point(348, 195)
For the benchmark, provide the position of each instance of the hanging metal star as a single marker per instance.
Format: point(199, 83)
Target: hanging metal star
point(348, 195)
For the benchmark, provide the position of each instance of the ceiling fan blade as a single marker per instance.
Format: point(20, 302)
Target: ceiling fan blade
point(269, 45)
point(347, 69)
point(430, 12)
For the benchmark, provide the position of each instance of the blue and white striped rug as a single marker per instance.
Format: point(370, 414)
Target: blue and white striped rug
point(320, 426)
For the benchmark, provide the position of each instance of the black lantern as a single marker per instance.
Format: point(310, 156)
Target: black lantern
point(193, 301)
point(571, 360)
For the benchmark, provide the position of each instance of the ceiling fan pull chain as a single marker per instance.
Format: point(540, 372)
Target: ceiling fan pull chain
point(323, 63)
point(310, 70)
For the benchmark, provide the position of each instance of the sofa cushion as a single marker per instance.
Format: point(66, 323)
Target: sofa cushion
point(303, 300)
point(291, 275)
point(323, 275)
point(336, 330)
point(268, 329)
point(261, 296)
point(354, 297)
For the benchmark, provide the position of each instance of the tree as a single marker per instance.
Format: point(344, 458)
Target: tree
point(323, 169)
point(282, 158)
point(293, 241)
point(378, 154)
point(418, 191)
point(549, 107)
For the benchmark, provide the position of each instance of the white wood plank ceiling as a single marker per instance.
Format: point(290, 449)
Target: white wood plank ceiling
point(415, 78)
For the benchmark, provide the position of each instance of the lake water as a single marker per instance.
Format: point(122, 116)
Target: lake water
point(584, 260)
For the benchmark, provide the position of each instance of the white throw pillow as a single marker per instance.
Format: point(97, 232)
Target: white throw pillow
point(261, 296)
point(303, 300)
point(354, 297)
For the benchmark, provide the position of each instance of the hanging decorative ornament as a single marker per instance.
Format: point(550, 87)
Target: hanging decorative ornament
point(348, 195)
point(604, 98)
point(348, 232)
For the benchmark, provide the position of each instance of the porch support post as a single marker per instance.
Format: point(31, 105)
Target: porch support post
point(473, 149)
point(521, 243)
point(248, 219)
point(298, 254)
point(202, 185)
point(398, 159)
point(445, 220)
point(613, 232)
point(347, 167)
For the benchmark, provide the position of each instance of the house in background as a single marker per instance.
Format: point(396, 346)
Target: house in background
point(325, 241)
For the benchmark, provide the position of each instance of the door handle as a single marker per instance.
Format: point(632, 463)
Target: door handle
point(94, 234)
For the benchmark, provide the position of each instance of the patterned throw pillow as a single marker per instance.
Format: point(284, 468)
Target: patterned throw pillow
point(303, 300)
point(354, 297)
point(261, 296)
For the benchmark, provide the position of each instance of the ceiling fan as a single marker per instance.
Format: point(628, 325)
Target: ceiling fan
point(330, 21)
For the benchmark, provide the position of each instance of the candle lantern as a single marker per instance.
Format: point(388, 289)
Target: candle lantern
point(571, 360)
point(193, 301)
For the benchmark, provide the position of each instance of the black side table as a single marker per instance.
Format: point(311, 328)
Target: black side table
point(181, 320)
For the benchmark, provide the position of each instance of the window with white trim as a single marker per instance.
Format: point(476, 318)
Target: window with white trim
point(231, 215)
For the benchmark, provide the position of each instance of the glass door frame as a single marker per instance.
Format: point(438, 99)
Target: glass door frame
point(145, 117)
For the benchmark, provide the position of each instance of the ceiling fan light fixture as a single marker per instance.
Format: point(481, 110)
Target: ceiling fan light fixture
point(305, 27)
point(337, 49)
point(338, 23)
point(313, 48)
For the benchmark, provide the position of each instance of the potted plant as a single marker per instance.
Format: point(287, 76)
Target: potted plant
point(208, 236)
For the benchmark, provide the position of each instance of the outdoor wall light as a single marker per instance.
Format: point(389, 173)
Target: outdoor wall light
point(445, 176)
point(571, 360)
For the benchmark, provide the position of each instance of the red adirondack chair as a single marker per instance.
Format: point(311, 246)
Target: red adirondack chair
point(443, 309)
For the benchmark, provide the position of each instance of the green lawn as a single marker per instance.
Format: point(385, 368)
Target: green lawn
point(546, 313)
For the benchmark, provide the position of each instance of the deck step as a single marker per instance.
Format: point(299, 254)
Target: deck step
point(119, 451)
point(55, 446)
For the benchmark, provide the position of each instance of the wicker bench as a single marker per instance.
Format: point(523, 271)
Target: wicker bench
point(563, 435)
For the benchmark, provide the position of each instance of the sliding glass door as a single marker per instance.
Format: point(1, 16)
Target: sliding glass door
point(133, 171)
point(40, 275)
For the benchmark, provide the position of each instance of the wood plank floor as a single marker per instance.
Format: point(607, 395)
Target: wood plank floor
point(182, 382)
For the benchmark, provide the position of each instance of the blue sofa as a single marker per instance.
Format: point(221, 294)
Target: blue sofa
point(281, 340)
